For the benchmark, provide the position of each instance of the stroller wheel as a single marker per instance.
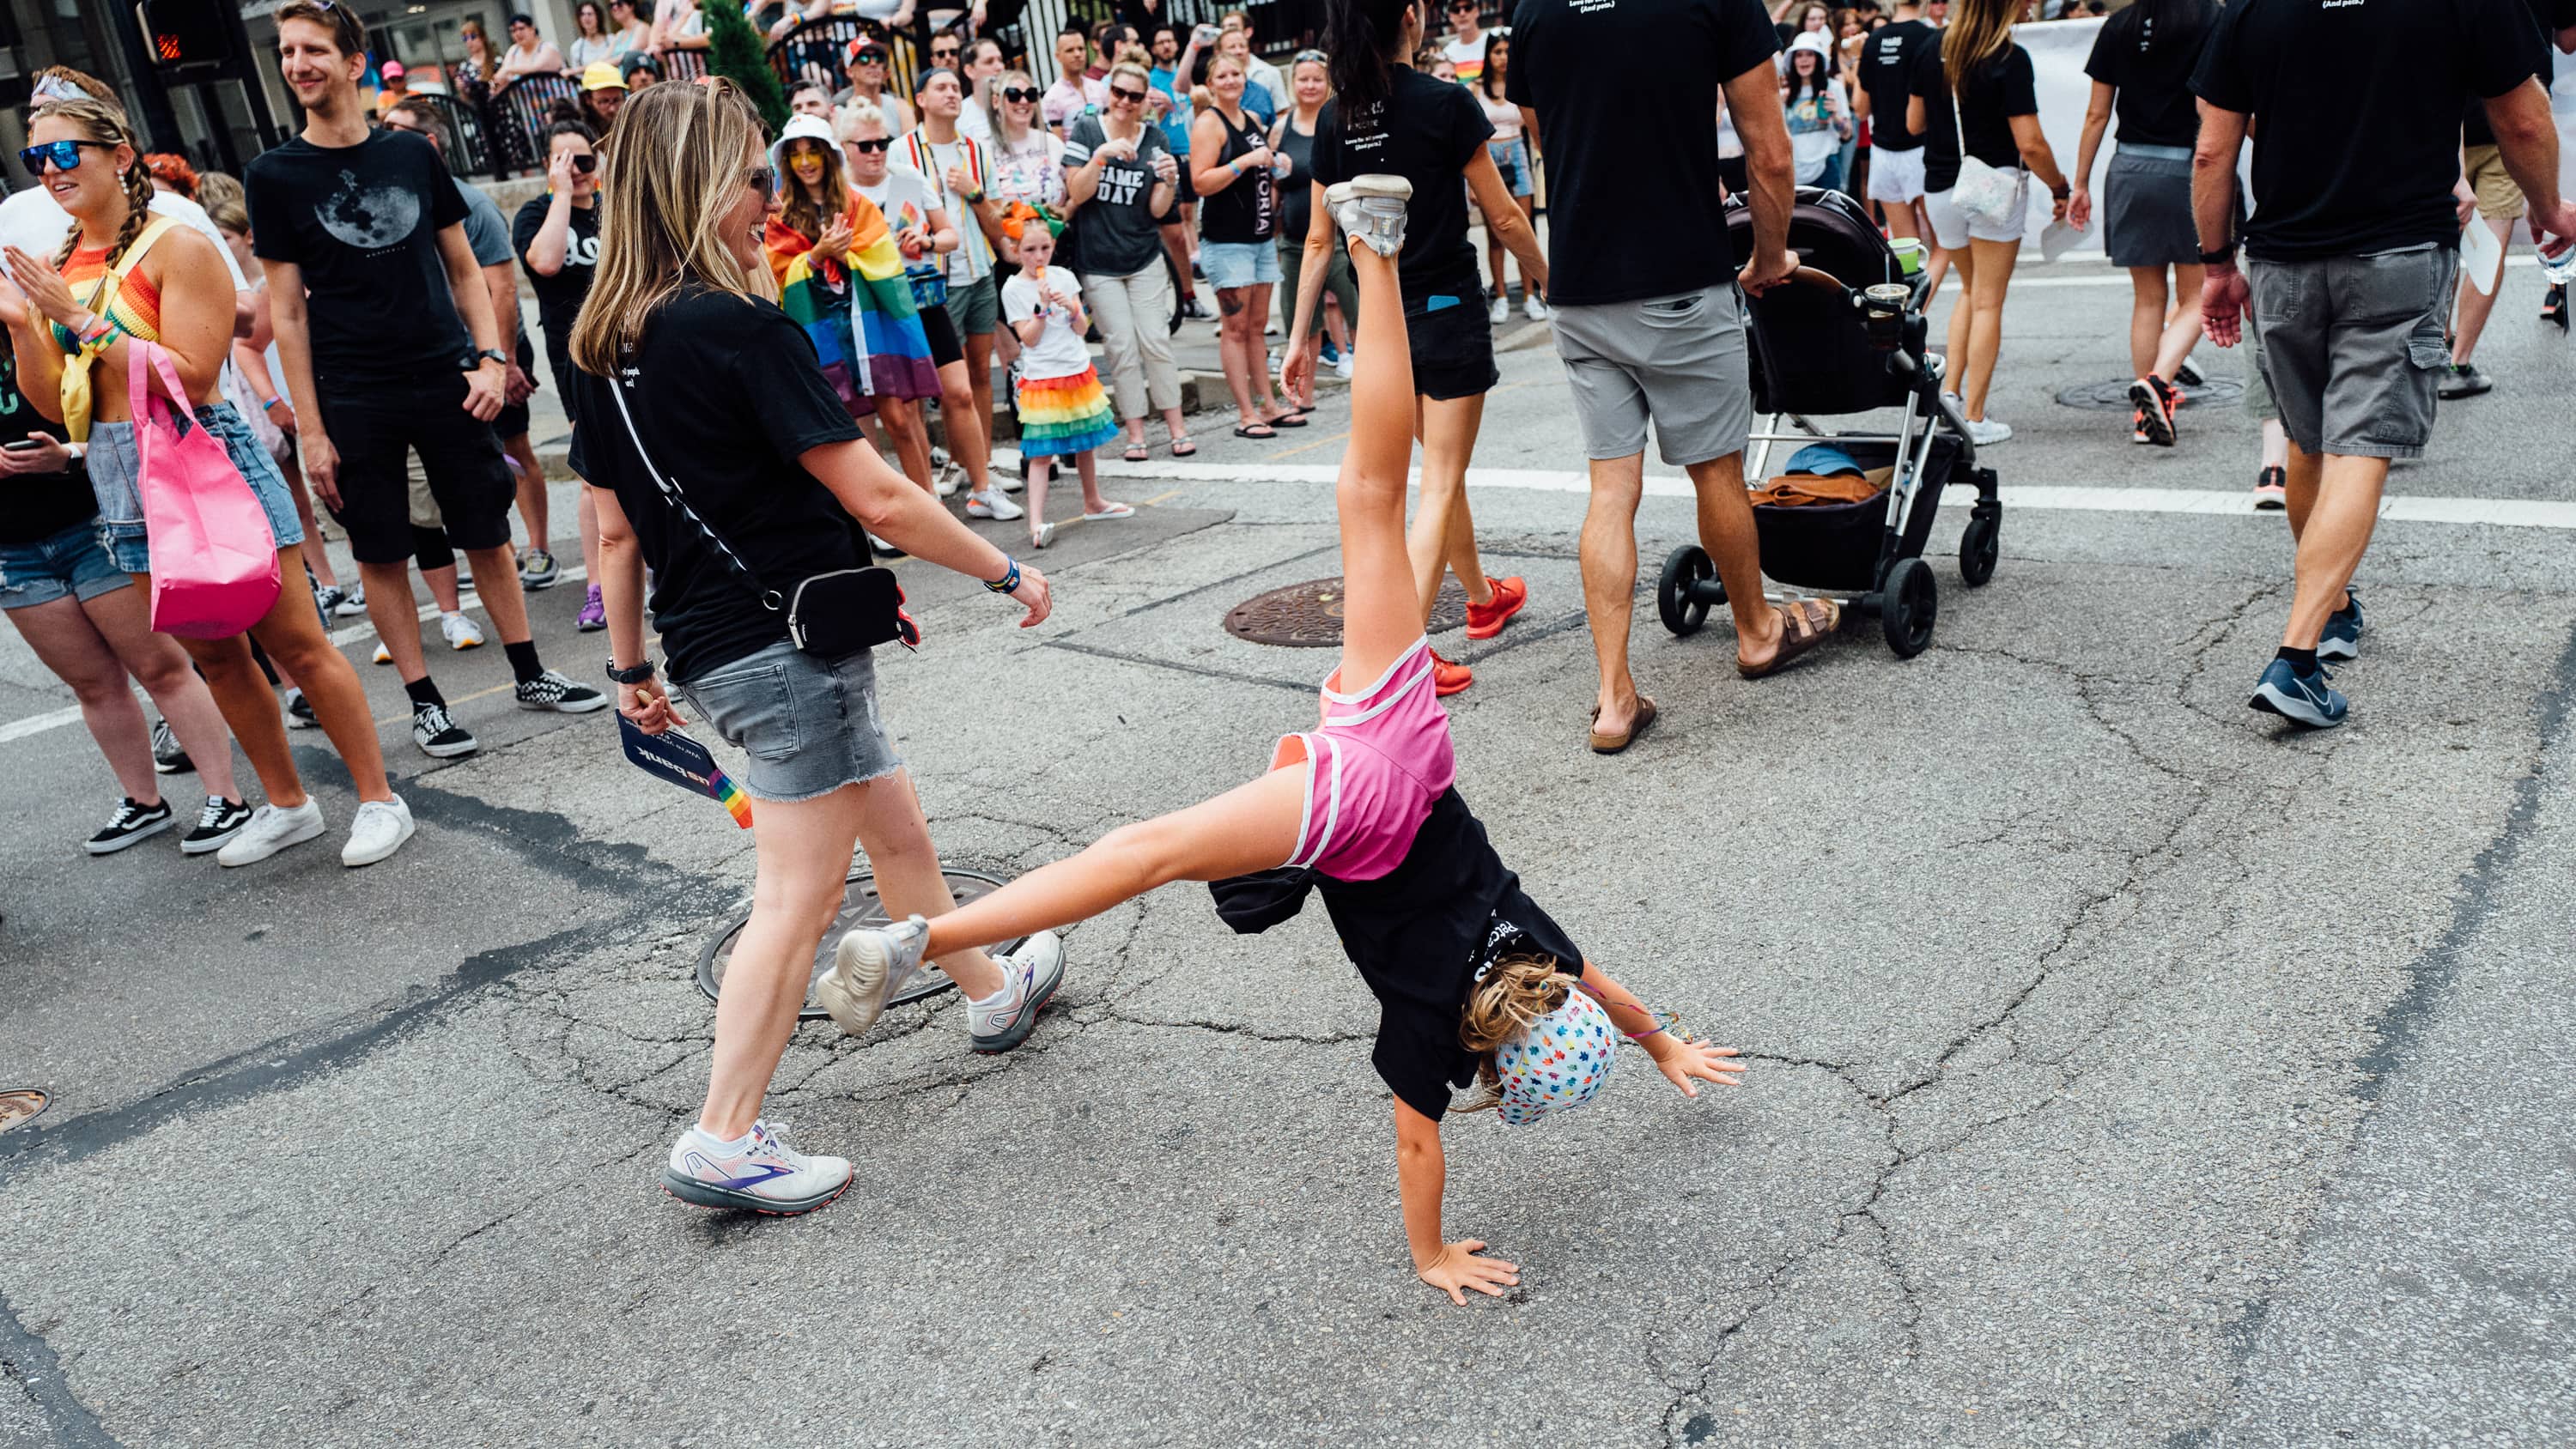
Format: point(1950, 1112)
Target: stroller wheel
point(1688, 587)
point(1908, 607)
point(1979, 545)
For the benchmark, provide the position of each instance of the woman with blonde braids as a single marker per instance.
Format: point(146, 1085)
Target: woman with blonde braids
point(123, 274)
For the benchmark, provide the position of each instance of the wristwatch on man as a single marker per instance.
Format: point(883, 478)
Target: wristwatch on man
point(494, 353)
point(636, 675)
point(2219, 258)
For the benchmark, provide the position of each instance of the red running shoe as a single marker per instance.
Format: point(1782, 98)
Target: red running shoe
point(1447, 678)
point(1484, 621)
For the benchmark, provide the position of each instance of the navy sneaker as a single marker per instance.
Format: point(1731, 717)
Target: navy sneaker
point(2342, 638)
point(2299, 698)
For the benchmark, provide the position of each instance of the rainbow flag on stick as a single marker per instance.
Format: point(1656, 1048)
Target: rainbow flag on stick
point(684, 762)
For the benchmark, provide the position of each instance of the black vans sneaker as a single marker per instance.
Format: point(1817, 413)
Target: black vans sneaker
point(439, 737)
point(552, 691)
point(132, 824)
point(220, 821)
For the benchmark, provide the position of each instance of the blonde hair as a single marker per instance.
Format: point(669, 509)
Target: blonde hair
point(105, 124)
point(848, 119)
point(217, 187)
point(1979, 31)
point(1143, 77)
point(1508, 999)
point(1001, 114)
point(663, 199)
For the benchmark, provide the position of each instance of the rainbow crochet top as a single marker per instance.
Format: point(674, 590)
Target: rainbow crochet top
point(135, 310)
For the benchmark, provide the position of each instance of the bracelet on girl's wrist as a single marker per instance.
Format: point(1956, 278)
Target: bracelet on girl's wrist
point(1010, 578)
point(272, 402)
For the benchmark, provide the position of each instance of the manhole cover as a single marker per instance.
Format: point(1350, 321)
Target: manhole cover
point(2113, 396)
point(1309, 615)
point(859, 907)
point(17, 1106)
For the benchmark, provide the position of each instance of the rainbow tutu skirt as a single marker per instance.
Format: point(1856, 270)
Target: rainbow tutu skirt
point(1061, 415)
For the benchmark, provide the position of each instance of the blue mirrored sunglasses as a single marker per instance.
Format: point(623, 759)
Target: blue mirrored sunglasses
point(65, 155)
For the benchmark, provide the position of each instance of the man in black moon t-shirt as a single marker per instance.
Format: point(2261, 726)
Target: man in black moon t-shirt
point(2355, 110)
point(390, 346)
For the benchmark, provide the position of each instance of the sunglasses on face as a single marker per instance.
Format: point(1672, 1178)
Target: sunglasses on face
point(65, 155)
point(585, 162)
point(1021, 95)
point(1462, 9)
point(762, 179)
point(879, 144)
point(877, 57)
point(948, 53)
point(1133, 98)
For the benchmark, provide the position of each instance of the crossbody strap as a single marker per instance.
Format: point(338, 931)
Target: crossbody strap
point(769, 598)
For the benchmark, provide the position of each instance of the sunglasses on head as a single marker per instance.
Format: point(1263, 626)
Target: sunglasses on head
point(64, 154)
point(1133, 98)
point(1021, 95)
point(881, 143)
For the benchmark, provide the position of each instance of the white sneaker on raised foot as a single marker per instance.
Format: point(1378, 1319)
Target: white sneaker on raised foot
point(870, 967)
point(1371, 209)
point(461, 632)
point(1030, 976)
point(380, 829)
point(271, 830)
point(993, 505)
point(757, 1171)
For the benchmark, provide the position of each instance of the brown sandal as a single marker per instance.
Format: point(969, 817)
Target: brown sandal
point(1638, 724)
point(1803, 625)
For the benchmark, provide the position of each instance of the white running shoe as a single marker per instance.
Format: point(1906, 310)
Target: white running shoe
point(1371, 208)
point(1342, 365)
point(1533, 308)
point(759, 1172)
point(271, 830)
point(993, 505)
point(1501, 311)
point(383, 654)
point(1030, 976)
point(1045, 535)
point(870, 967)
point(1985, 432)
point(947, 482)
point(1012, 482)
point(460, 631)
point(380, 829)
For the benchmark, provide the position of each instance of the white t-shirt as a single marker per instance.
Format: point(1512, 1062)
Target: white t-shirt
point(34, 223)
point(916, 152)
point(1467, 55)
point(1058, 352)
point(907, 201)
point(971, 121)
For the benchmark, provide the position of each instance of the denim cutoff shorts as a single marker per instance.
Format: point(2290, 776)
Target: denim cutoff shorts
point(810, 725)
point(114, 477)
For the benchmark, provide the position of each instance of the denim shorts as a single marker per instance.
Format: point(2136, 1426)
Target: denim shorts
point(1512, 159)
point(113, 477)
point(1239, 264)
point(810, 725)
point(71, 564)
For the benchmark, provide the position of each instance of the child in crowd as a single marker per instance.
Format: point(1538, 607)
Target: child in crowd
point(1063, 411)
point(1474, 982)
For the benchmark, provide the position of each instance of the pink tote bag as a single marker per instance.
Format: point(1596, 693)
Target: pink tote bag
point(214, 557)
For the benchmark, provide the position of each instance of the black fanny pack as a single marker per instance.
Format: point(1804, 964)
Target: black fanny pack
point(828, 615)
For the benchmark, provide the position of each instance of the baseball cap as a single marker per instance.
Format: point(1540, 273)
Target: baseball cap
point(601, 76)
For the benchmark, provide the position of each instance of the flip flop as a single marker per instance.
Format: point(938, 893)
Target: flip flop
point(1115, 509)
point(1638, 724)
point(1183, 448)
point(1288, 420)
point(1263, 431)
point(1136, 453)
point(1803, 626)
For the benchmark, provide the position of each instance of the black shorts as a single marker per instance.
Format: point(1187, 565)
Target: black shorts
point(1183, 193)
point(376, 426)
point(1453, 342)
point(942, 332)
point(513, 421)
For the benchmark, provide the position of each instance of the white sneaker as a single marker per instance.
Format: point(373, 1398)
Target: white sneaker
point(1012, 482)
point(460, 631)
point(1532, 307)
point(1342, 365)
point(1985, 432)
point(383, 654)
point(946, 483)
point(759, 1172)
point(993, 505)
point(869, 968)
point(271, 830)
point(1045, 535)
point(1029, 979)
point(1500, 312)
point(1371, 208)
point(380, 829)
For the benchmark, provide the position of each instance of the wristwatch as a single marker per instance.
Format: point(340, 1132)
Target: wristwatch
point(636, 675)
point(2062, 192)
point(2220, 257)
point(494, 353)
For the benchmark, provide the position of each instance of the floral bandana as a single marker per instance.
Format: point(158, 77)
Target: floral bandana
point(1560, 1062)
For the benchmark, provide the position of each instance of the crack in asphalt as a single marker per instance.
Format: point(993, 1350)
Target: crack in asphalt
point(29, 1362)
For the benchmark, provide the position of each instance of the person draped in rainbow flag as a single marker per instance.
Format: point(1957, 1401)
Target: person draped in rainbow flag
point(840, 276)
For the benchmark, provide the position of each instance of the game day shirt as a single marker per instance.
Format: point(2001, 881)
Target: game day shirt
point(1614, 148)
point(361, 224)
point(1113, 234)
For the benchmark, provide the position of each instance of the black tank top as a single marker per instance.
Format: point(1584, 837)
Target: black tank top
point(1248, 209)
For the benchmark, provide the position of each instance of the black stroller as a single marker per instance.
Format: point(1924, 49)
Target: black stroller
point(1840, 337)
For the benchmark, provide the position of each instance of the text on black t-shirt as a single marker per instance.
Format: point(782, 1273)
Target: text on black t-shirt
point(2146, 52)
point(361, 224)
point(1426, 131)
point(1887, 74)
point(560, 296)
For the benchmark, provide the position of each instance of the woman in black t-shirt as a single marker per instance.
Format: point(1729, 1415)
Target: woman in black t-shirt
point(1973, 96)
point(1387, 117)
point(691, 379)
point(557, 238)
point(2141, 64)
point(1236, 177)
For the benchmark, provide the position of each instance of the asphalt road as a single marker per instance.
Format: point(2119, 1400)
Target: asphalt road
point(2126, 1070)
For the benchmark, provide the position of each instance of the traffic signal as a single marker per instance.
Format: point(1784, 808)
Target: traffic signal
point(185, 34)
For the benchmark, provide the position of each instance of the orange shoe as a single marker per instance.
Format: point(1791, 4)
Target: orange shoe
point(1447, 678)
point(1484, 621)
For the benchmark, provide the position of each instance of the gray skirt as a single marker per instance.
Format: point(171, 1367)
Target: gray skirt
point(2146, 208)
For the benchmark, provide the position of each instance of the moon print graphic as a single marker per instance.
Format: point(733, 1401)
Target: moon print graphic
point(369, 218)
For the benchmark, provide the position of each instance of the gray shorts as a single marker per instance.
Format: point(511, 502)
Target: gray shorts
point(810, 725)
point(2352, 347)
point(975, 311)
point(2258, 393)
point(1679, 360)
